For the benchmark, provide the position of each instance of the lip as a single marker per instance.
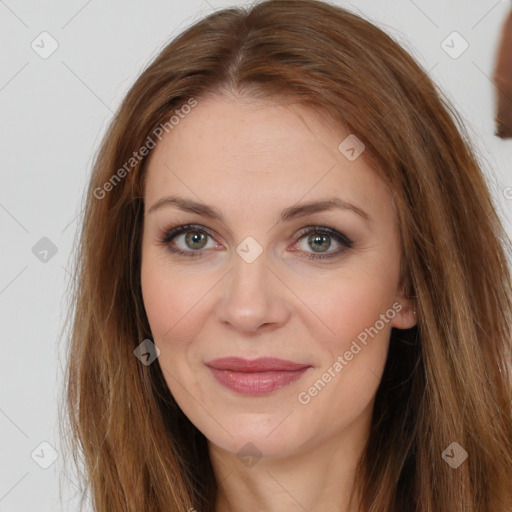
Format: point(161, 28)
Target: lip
point(256, 376)
point(262, 364)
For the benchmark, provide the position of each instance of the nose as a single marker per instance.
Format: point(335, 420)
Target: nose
point(253, 297)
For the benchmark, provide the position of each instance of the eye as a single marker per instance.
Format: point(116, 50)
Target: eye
point(190, 239)
point(320, 239)
point(187, 240)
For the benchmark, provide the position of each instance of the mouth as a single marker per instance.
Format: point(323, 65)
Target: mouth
point(256, 376)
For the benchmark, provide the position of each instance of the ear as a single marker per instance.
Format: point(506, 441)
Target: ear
point(405, 307)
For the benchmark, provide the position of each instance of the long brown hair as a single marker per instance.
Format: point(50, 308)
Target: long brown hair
point(446, 380)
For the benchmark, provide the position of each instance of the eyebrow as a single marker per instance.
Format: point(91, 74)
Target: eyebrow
point(287, 214)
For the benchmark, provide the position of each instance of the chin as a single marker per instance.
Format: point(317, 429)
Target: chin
point(261, 436)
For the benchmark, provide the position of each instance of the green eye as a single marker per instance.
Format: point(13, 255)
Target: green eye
point(319, 239)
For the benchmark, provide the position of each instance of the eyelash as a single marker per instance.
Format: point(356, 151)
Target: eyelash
point(170, 234)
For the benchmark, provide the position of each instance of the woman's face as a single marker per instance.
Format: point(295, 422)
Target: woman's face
point(293, 256)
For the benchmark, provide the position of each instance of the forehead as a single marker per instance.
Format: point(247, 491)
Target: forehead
point(243, 128)
point(254, 153)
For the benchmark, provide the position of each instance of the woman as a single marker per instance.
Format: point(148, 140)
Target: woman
point(292, 286)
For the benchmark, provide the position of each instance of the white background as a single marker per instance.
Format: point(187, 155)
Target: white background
point(53, 114)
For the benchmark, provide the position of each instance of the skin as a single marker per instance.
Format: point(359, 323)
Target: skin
point(250, 160)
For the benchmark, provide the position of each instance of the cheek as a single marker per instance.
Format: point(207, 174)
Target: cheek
point(358, 311)
point(171, 296)
point(347, 304)
point(174, 308)
point(358, 308)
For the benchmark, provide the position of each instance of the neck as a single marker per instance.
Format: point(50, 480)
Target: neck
point(318, 479)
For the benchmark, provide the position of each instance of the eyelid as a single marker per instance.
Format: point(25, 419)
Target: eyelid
point(171, 233)
point(344, 242)
point(334, 233)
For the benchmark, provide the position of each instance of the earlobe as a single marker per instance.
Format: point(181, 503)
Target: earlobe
point(406, 315)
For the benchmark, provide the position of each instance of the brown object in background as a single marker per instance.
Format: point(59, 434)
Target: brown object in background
point(503, 80)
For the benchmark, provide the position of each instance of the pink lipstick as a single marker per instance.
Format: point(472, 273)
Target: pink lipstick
point(256, 376)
